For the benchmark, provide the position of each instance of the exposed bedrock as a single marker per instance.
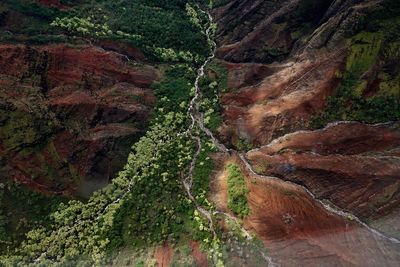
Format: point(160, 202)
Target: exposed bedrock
point(284, 59)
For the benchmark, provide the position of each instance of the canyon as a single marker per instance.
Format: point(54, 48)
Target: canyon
point(308, 111)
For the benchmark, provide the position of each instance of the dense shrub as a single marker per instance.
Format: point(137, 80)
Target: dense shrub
point(237, 191)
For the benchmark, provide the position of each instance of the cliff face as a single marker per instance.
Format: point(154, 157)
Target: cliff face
point(293, 67)
point(69, 115)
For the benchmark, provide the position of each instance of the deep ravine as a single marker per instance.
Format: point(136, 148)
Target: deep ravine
point(197, 120)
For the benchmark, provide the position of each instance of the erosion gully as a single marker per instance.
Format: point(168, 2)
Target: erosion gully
point(198, 120)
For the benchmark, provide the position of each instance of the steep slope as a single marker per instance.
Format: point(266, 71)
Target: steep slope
point(78, 92)
point(81, 78)
point(84, 71)
point(285, 69)
point(69, 115)
point(299, 231)
point(346, 49)
point(353, 165)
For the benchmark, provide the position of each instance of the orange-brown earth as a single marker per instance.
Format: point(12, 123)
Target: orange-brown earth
point(163, 255)
point(282, 60)
point(298, 231)
point(69, 115)
point(199, 256)
point(353, 165)
point(281, 102)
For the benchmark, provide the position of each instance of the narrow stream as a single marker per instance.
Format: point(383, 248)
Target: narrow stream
point(197, 119)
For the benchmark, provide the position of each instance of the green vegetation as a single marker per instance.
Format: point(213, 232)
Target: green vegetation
point(202, 174)
point(163, 30)
point(237, 191)
point(370, 87)
point(239, 249)
point(144, 205)
point(160, 29)
point(243, 144)
point(347, 105)
point(174, 92)
point(21, 210)
point(29, 132)
point(212, 86)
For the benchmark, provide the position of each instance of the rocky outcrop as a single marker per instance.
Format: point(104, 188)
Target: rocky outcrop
point(69, 115)
point(265, 31)
point(281, 102)
point(295, 82)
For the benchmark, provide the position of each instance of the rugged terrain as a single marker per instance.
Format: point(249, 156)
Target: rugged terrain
point(292, 67)
point(69, 113)
point(283, 66)
point(280, 147)
point(68, 119)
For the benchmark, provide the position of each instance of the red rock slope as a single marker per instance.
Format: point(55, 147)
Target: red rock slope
point(69, 114)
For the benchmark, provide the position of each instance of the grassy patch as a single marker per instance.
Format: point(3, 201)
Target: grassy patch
point(347, 105)
point(237, 191)
point(365, 47)
point(371, 65)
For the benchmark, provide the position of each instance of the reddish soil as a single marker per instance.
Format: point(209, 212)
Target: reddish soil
point(298, 231)
point(163, 255)
point(122, 48)
point(355, 166)
point(199, 256)
point(71, 112)
point(282, 101)
point(88, 67)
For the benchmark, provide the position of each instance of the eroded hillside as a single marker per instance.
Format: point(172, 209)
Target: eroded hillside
point(229, 133)
point(310, 91)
